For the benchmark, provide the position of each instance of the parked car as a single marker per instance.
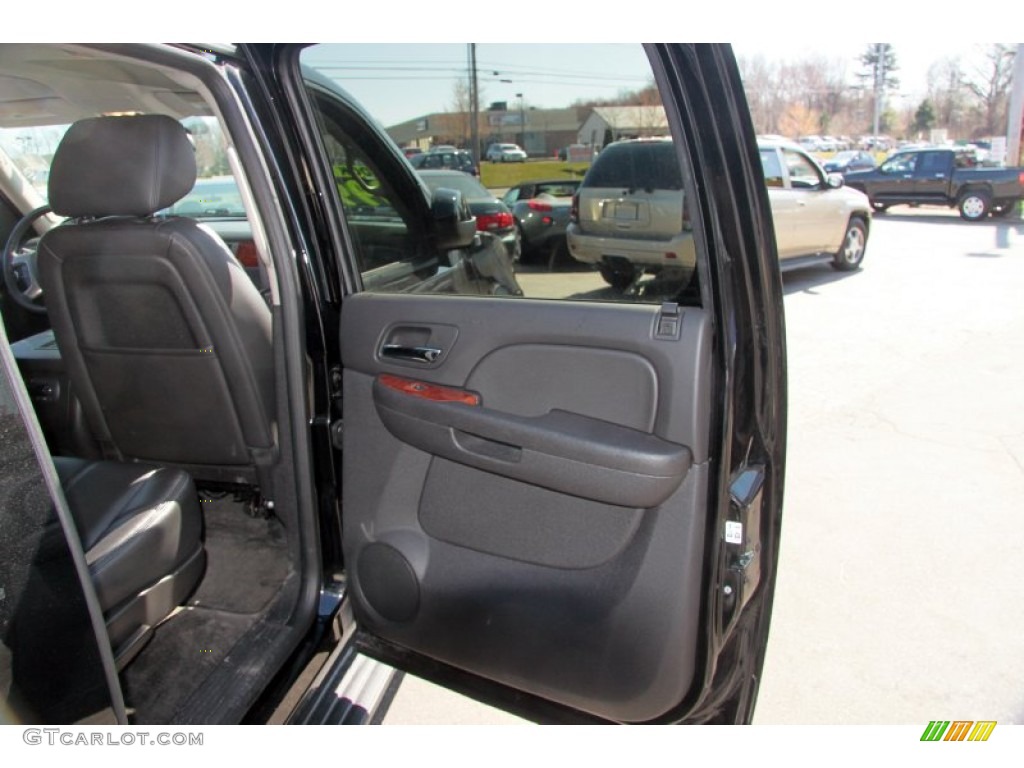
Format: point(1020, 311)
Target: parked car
point(224, 502)
point(944, 177)
point(211, 197)
point(849, 160)
point(541, 209)
point(817, 219)
point(630, 216)
point(578, 153)
point(493, 217)
point(411, 152)
point(811, 143)
point(456, 161)
point(444, 148)
point(505, 153)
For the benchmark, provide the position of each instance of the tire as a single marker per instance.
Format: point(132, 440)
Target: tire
point(617, 279)
point(517, 257)
point(851, 252)
point(974, 205)
point(879, 207)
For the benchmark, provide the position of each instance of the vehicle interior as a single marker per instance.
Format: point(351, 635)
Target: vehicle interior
point(534, 487)
point(148, 342)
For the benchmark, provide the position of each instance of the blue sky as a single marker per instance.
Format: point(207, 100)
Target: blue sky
point(402, 81)
point(398, 82)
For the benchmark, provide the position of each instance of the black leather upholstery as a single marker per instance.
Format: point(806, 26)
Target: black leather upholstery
point(165, 338)
point(121, 166)
point(141, 530)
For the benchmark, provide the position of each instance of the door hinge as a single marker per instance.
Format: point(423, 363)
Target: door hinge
point(336, 381)
point(337, 434)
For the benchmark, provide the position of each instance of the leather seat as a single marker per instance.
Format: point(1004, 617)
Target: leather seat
point(165, 338)
point(141, 530)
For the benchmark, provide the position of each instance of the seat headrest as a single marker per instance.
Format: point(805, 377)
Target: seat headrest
point(121, 166)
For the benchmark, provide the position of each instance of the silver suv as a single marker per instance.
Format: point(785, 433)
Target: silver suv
point(628, 216)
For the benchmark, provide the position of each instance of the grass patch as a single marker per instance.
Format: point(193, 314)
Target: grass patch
point(510, 174)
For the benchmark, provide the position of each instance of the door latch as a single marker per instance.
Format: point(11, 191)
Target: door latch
point(669, 322)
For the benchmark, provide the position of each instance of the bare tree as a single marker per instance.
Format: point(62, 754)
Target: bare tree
point(947, 94)
point(798, 120)
point(765, 92)
point(458, 121)
point(987, 78)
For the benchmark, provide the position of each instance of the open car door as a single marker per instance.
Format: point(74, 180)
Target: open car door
point(568, 507)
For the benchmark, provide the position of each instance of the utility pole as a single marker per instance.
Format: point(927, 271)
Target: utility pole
point(1015, 123)
point(1015, 126)
point(879, 72)
point(522, 123)
point(474, 105)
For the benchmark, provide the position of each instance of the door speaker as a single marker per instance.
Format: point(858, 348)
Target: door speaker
point(388, 582)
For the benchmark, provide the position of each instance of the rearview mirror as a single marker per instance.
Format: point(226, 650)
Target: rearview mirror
point(835, 180)
point(454, 223)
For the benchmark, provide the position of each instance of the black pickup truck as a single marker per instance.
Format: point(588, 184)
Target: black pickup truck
point(934, 177)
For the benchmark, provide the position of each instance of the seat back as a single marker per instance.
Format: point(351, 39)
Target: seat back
point(165, 338)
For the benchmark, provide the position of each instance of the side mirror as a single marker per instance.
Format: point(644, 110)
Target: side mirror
point(454, 223)
point(834, 180)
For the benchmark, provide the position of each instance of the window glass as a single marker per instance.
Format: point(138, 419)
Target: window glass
point(391, 247)
point(772, 167)
point(803, 174)
point(215, 195)
point(903, 163)
point(605, 223)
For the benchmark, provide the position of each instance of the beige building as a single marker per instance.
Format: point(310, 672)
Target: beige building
point(603, 125)
point(541, 132)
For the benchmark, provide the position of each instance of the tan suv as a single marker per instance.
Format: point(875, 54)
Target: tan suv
point(628, 217)
point(817, 218)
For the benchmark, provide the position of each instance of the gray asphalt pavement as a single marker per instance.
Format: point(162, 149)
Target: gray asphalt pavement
point(900, 597)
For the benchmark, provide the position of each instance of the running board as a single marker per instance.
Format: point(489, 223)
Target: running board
point(787, 265)
point(352, 689)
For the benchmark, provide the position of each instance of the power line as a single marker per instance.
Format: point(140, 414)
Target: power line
point(515, 72)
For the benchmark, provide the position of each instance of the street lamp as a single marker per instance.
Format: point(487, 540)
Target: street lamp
point(522, 122)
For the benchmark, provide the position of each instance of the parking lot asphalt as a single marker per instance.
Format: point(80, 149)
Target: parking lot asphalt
point(900, 598)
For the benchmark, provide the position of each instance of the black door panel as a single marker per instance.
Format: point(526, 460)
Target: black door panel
point(560, 450)
point(529, 538)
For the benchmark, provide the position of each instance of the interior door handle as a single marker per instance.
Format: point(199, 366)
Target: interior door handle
point(411, 354)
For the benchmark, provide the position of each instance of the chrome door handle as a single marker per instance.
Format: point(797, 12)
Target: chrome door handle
point(411, 354)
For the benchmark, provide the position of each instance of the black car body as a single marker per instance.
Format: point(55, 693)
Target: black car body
point(849, 160)
point(458, 160)
point(494, 221)
point(493, 217)
point(570, 509)
point(542, 208)
point(936, 177)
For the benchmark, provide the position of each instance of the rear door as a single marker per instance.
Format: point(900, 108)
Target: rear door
point(932, 176)
point(635, 190)
point(567, 504)
point(817, 216)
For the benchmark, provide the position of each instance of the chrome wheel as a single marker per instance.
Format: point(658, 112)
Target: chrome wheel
point(974, 206)
point(851, 252)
